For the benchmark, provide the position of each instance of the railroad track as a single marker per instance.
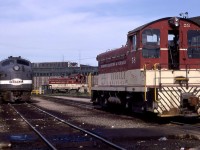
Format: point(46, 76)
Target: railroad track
point(70, 102)
point(65, 134)
point(190, 129)
point(195, 126)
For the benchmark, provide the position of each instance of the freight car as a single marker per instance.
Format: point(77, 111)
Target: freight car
point(72, 83)
point(158, 70)
point(15, 79)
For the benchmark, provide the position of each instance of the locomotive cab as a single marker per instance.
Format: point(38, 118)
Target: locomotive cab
point(172, 42)
point(168, 55)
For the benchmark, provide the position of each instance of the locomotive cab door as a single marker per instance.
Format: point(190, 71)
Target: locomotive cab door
point(173, 49)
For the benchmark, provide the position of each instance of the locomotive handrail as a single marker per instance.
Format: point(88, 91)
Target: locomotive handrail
point(145, 84)
point(155, 91)
point(185, 68)
point(158, 66)
point(186, 76)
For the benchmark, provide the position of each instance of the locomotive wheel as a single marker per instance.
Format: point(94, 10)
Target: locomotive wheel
point(1, 100)
point(128, 106)
point(104, 103)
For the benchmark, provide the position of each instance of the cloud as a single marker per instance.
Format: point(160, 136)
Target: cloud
point(49, 30)
point(41, 9)
point(40, 31)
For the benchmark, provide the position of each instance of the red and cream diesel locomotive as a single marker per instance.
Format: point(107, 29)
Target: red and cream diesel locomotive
point(158, 70)
point(75, 83)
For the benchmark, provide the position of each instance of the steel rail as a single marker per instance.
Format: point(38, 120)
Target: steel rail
point(71, 102)
point(184, 124)
point(83, 130)
point(36, 131)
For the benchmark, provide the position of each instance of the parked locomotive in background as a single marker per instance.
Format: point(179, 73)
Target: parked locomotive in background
point(15, 79)
point(72, 83)
point(158, 70)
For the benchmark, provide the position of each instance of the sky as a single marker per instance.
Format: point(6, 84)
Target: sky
point(77, 30)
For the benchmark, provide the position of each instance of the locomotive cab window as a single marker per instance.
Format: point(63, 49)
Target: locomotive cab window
point(22, 62)
point(7, 62)
point(193, 44)
point(151, 43)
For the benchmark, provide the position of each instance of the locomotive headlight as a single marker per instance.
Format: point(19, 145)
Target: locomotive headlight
point(176, 24)
point(16, 68)
point(174, 21)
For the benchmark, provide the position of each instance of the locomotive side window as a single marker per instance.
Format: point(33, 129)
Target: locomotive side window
point(22, 62)
point(193, 44)
point(151, 43)
point(134, 42)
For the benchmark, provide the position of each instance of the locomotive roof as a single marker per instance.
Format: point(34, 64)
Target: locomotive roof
point(195, 20)
point(114, 52)
point(14, 58)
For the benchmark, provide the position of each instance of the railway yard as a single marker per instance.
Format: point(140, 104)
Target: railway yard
point(74, 123)
point(142, 95)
